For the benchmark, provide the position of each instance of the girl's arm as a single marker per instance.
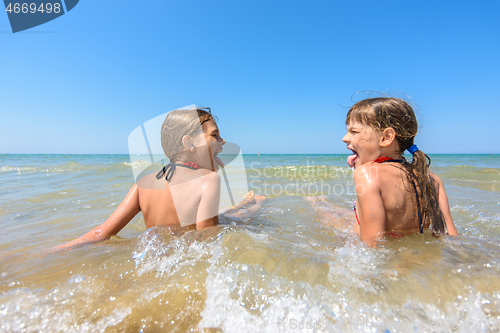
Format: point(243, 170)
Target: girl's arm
point(208, 209)
point(445, 206)
point(369, 205)
point(119, 219)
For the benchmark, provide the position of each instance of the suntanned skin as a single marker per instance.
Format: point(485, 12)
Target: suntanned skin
point(386, 201)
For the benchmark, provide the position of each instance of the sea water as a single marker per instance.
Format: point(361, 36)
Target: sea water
point(282, 270)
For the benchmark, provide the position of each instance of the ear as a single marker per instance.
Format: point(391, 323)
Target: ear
point(187, 142)
point(388, 136)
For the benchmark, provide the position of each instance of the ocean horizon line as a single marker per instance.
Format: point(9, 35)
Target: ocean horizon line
point(257, 154)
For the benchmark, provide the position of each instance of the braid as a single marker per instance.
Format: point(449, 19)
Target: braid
point(431, 212)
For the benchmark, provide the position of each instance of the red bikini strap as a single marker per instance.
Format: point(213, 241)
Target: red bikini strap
point(356, 214)
point(192, 165)
point(383, 159)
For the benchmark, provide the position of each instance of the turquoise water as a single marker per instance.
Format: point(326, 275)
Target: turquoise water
point(283, 270)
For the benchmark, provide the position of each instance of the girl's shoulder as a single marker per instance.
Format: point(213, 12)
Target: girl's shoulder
point(378, 174)
point(436, 179)
point(375, 170)
point(206, 179)
point(368, 174)
point(209, 176)
point(151, 182)
point(200, 177)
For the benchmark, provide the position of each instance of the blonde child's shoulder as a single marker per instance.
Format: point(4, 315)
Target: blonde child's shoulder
point(151, 182)
point(194, 178)
point(208, 180)
point(210, 176)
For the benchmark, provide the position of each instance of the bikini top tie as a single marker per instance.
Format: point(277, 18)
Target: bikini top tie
point(169, 169)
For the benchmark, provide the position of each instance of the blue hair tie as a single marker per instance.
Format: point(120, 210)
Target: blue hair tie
point(413, 149)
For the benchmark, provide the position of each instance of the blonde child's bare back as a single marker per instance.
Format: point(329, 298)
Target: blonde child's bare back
point(188, 201)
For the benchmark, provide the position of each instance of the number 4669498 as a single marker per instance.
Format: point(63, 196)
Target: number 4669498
point(32, 8)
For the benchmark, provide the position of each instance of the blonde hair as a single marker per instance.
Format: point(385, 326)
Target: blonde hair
point(384, 112)
point(179, 123)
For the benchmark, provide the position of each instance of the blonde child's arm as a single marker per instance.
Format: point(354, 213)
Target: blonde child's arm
point(369, 205)
point(445, 206)
point(208, 209)
point(128, 208)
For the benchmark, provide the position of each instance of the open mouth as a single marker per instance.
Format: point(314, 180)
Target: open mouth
point(217, 158)
point(351, 160)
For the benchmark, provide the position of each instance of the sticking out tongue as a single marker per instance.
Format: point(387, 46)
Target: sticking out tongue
point(352, 159)
point(219, 161)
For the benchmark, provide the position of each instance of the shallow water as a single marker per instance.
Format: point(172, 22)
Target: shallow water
point(283, 270)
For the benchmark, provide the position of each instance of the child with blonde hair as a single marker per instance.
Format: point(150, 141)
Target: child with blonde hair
point(184, 194)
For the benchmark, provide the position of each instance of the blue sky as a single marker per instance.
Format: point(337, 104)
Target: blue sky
point(280, 75)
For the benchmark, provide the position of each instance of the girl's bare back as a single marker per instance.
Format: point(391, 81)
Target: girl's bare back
point(181, 203)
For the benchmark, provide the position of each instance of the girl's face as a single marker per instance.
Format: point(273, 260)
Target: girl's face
point(211, 139)
point(364, 142)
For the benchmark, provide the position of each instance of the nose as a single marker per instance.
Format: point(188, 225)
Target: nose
point(223, 142)
point(346, 138)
